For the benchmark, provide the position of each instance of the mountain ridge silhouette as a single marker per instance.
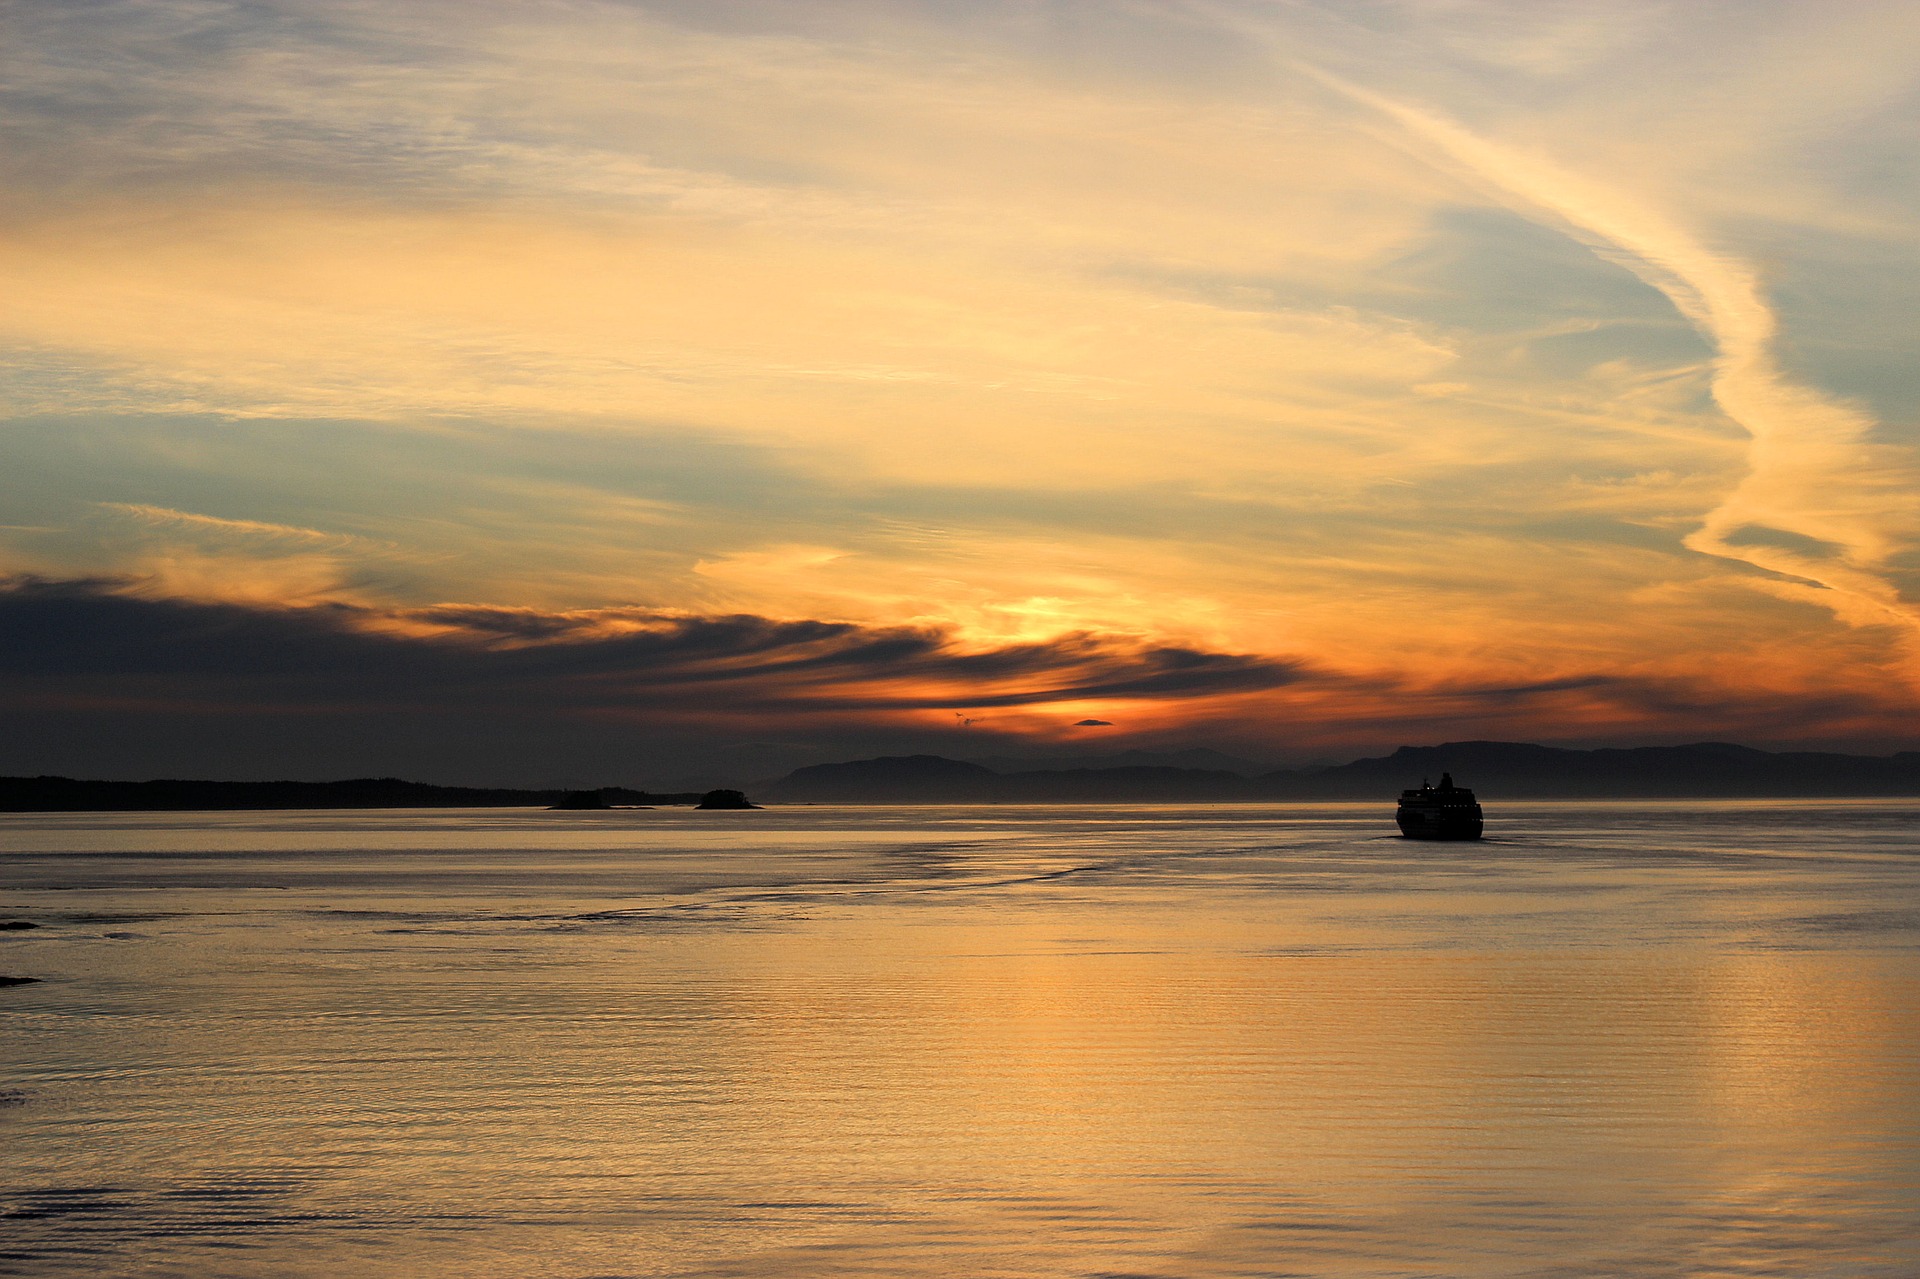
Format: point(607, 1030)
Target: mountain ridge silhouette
point(1497, 770)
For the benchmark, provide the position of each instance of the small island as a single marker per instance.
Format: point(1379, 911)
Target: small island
point(725, 799)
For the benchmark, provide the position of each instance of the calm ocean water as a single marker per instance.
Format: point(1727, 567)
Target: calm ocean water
point(1613, 1040)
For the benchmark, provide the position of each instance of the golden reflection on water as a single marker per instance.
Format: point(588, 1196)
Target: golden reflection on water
point(1145, 1043)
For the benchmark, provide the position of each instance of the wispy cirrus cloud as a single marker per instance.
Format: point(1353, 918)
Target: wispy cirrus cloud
point(250, 530)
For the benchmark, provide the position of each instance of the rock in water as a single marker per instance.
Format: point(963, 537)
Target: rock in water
point(725, 799)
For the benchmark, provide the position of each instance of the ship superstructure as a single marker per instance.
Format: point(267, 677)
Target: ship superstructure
point(1445, 811)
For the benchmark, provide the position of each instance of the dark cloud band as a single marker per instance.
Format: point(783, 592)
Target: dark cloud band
point(99, 635)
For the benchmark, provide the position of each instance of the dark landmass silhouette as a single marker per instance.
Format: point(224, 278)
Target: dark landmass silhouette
point(1497, 770)
point(891, 779)
point(1120, 785)
point(580, 801)
point(19, 981)
point(68, 795)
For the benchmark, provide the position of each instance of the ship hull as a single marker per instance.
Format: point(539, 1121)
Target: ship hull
point(1416, 823)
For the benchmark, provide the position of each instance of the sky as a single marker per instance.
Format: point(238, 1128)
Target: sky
point(634, 392)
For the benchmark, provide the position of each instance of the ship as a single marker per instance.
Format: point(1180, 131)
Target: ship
point(1445, 811)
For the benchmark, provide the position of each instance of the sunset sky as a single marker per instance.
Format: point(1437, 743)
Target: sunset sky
point(520, 392)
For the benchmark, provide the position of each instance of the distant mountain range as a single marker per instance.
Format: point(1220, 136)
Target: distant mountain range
point(1496, 770)
point(1200, 757)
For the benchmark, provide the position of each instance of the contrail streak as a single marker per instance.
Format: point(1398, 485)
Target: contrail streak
point(1808, 454)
